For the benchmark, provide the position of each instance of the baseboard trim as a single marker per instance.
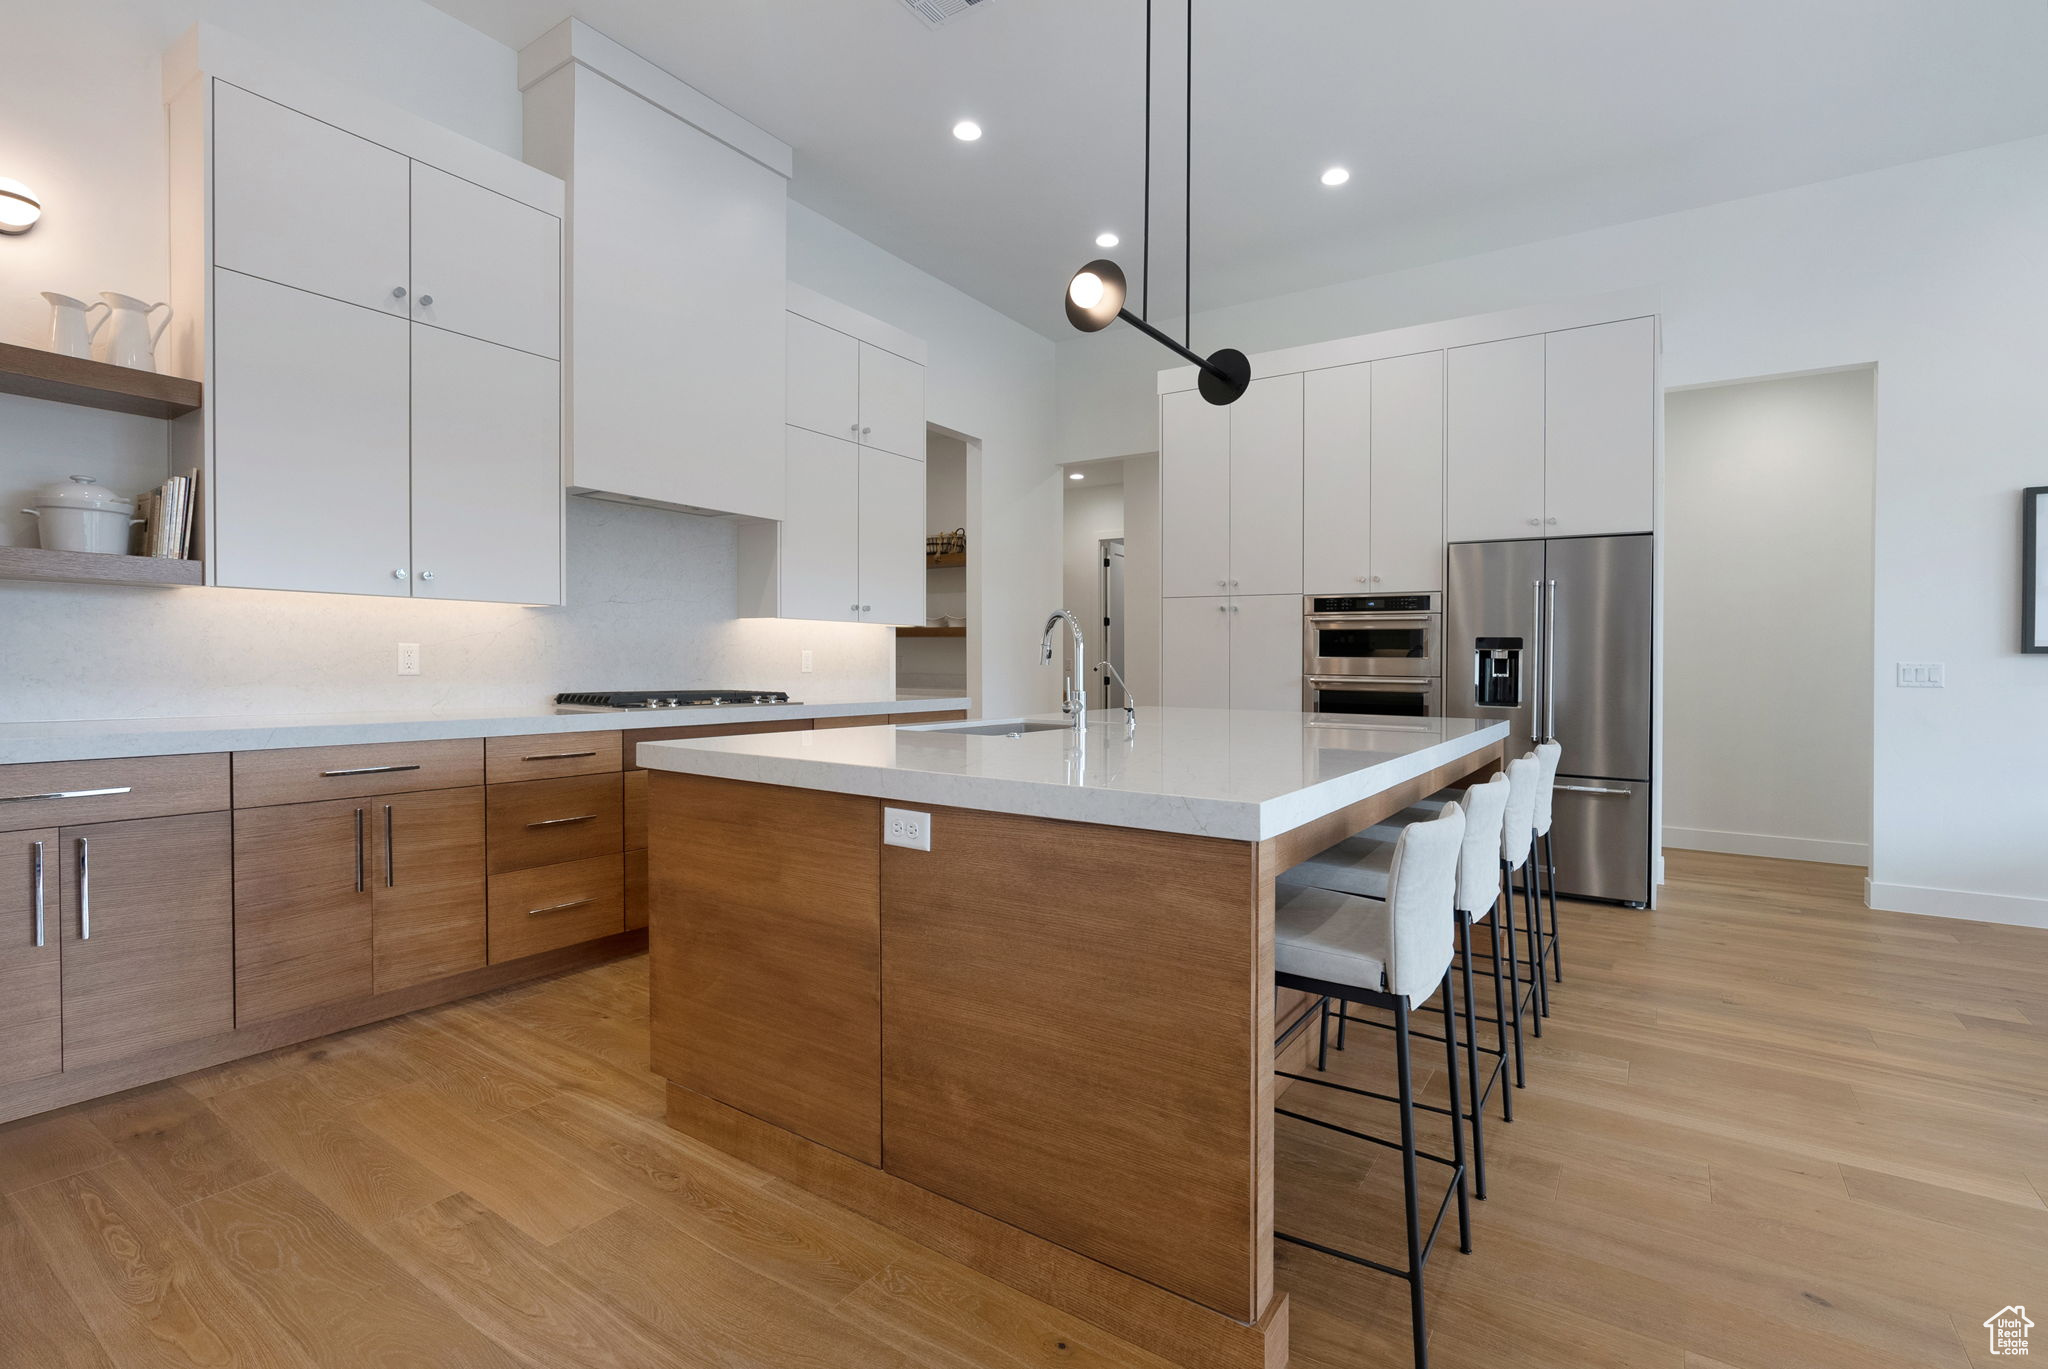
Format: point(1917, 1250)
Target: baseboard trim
point(2012, 910)
point(1773, 847)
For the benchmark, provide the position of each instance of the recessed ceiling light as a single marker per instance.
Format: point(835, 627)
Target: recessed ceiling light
point(1336, 175)
point(967, 130)
point(1074, 475)
point(1106, 239)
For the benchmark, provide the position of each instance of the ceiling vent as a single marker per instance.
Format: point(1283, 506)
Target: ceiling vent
point(937, 12)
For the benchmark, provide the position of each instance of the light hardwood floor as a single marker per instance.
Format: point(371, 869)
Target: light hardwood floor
point(1764, 1127)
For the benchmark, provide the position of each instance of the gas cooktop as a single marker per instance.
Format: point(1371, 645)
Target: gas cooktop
point(664, 698)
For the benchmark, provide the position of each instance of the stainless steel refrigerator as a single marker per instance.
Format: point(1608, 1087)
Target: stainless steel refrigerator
point(1555, 637)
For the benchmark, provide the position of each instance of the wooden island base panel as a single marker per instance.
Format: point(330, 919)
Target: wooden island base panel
point(1044, 1048)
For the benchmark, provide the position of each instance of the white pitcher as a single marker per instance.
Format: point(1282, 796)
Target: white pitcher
point(130, 340)
point(70, 332)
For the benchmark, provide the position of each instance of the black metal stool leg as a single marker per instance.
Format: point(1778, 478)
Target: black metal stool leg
point(1471, 1056)
point(1550, 887)
point(1533, 947)
point(1323, 1035)
point(1500, 1013)
point(1507, 899)
point(1418, 1319)
point(1458, 1114)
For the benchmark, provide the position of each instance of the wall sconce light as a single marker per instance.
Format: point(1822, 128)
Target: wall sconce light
point(19, 208)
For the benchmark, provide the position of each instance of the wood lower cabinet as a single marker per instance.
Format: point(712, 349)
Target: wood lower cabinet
point(31, 979)
point(427, 899)
point(303, 875)
point(148, 927)
point(556, 905)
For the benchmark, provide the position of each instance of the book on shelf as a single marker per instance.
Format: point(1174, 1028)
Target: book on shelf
point(167, 515)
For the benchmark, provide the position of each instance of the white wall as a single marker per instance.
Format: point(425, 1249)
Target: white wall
point(1094, 510)
point(1933, 271)
point(1767, 617)
point(990, 378)
point(651, 593)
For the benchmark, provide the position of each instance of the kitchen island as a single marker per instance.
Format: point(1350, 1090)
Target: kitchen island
point(1043, 1046)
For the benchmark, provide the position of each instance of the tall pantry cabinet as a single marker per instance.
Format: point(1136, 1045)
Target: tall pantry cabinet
point(375, 306)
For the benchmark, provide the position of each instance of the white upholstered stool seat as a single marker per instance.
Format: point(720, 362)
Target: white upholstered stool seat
point(1358, 865)
point(1319, 933)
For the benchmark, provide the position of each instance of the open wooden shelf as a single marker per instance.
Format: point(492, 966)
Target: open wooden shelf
point(39, 374)
point(34, 563)
point(944, 559)
point(931, 632)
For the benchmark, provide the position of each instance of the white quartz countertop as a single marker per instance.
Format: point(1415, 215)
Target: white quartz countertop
point(1230, 773)
point(96, 739)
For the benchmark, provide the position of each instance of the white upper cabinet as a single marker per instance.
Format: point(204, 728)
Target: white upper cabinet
point(819, 542)
point(357, 438)
point(1600, 428)
point(1408, 473)
point(1495, 440)
point(677, 278)
point(311, 469)
point(1265, 488)
point(305, 204)
point(1195, 493)
point(891, 539)
point(891, 402)
point(486, 472)
point(1337, 480)
point(484, 264)
point(1195, 651)
point(823, 370)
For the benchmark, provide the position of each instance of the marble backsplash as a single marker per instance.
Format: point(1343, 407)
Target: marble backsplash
point(651, 596)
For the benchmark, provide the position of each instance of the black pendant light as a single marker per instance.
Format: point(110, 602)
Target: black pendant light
point(1096, 293)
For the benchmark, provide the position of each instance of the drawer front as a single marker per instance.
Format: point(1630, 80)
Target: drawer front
point(549, 756)
point(669, 734)
point(956, 715)
point(545, 822)
point(556, 905)
point(72, 793)
point(636, 810)
point(307, 773)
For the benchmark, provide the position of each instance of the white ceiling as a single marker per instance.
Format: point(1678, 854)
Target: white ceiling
point(1467, 124)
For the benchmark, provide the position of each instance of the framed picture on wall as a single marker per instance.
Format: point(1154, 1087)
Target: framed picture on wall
point(2034, 572)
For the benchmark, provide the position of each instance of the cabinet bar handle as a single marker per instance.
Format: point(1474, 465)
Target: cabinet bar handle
point(390, 865)
point(560, 756)
point(368, 770)
point(65, 794)
point(559, 907)
point(1591, 789)
point(36, 864)
point(359, 850)
point(84, 890)
point(562, 822)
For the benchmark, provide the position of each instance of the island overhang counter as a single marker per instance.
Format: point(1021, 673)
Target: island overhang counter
point(1043, 1047)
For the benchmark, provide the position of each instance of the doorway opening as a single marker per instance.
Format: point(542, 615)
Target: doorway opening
point(1768, 606)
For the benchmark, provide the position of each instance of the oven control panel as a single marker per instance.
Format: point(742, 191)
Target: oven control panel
point(1373, 603)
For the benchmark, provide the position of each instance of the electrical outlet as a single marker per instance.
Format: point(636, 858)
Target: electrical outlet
point(1920, 675)
point(902, 827)
point(807, 661)
point(408, 658)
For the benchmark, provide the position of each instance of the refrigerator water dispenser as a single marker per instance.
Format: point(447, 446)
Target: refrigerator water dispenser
point(1497, 672)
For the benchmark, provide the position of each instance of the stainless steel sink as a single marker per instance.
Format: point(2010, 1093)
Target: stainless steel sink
point(1015, 727)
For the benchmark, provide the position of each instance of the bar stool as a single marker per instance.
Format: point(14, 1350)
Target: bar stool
point(1547, 754)
point(1359, 865)
point(1394, 955)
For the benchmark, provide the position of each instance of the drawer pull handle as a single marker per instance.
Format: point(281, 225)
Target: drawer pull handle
point(562, 822)
point(37, 866)
point(1591, 789)
point(561, 756)
point(368, 770)
point(84, 890)
point(559, 907)
point(66, 794)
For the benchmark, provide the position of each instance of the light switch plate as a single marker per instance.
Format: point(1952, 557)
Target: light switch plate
point(408, 658)
point(807, 661)
point(1920, 675)
point(906, 827)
